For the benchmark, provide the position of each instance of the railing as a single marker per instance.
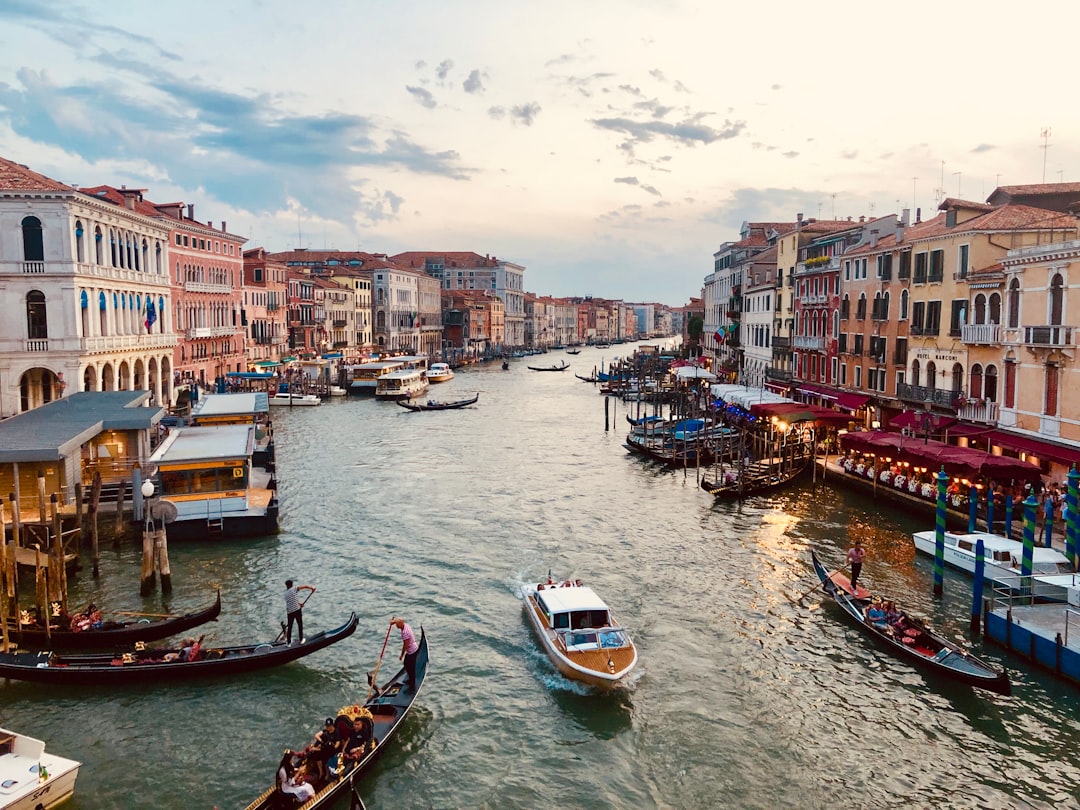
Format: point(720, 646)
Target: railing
point(778, 374)
point(1048, 335)
point(781, 343)
point(33, 267)
point(122, 274)
point(808, 342)
point(37, 345)
point(941, 397)
point(340, 322)
point(201, 332)
point(204, 287)
point(111, 343)
point(978, 411)
point(981, 333)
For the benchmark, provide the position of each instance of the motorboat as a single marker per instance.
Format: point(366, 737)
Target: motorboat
point(440, 372)
point(30, 778)
point(404, 384)
point(579, 633)
point(295, 400)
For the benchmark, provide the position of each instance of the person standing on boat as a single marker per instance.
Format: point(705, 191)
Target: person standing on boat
point(409, 650)
point(855, 556)
point(294, 611)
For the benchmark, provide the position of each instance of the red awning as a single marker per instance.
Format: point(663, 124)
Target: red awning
point(936, 455)
point(970, 431)
point(1037, 447)
point(780, 388)
point(816, 391)
point(850, 401)
point(919, 421)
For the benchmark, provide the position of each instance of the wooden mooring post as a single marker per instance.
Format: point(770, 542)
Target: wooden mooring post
point(7, 581)
point(95, 500)
point(79, 509)
point(59, 565)
point(119, 526)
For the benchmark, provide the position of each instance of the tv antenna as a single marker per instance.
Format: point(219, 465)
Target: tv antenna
point(1045, 135)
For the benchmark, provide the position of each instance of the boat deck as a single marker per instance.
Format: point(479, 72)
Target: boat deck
point(596, 660)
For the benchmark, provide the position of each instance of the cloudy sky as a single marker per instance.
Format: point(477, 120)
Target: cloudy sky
point(608, 146)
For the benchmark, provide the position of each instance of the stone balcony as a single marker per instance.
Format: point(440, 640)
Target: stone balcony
point(116, 343)
point(983, 334)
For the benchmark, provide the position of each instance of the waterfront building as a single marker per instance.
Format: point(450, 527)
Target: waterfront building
point(307, 314)
point(749, 328)
point(266, 294)
point(474, 322)
point(340, 303)
point(87, 290)
point(429, 307)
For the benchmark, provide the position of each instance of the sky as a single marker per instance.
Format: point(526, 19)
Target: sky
point(610, 146)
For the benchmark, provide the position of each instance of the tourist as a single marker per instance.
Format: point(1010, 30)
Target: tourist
point(289, 784)
point(324, 746)
point(409, 651)
point(360, 740)
point(294, 610)
point(875, 615)
point(855, 556)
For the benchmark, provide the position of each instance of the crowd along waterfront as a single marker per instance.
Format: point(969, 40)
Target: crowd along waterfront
point(751, 690)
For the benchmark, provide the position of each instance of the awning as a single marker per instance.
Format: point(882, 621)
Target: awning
point(332, 356)
point(969, 431)
point(1036, 447)
point(937, 455)
point(780, 388)
point(850, 401)
point(249, 375)
point(922, 421)
point(816, 391)
point(266, 363)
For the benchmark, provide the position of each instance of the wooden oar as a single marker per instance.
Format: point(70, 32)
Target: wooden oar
point(373, 680)
point(154, 615)
point(806, 593)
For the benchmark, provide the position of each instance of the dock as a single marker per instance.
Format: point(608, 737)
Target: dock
point(1045, 634)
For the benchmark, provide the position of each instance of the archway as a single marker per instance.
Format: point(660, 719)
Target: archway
point(38, 386)
point(108, 378)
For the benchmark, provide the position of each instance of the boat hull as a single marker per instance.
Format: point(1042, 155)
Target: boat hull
point(23, 788)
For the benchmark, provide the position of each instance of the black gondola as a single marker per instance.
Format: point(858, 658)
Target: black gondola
point(756, 479)
point(388, 707)
point(160, 664)
point(914, 641)
point(573, 351)
point(587, 379)
point(563, 367)
point(433, 405)
point(110, 635)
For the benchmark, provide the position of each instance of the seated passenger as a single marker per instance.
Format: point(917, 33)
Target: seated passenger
point(360, 741)
point(325, 745)
point(287, 782)
point(875, 615)
point(892, 615)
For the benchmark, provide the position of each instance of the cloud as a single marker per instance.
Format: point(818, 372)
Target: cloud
point(688, 132)
point(423, 97)
point(633, 181)
point(525, 113)
point(654, 107)
point(983, 147)
point(790, 154)
point(498, 113)
point(775, 87)
point(763, 205)
point(849, 154)
point(474, 83)
point(444, 68)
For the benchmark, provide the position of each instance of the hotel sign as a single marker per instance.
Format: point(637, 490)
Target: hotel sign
point(926, 355)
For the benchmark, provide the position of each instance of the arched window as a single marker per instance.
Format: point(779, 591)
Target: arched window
point(80, 249)
point(979, 309)
point(990, 384)
point(1014, 303)
point(957, 378)
point(33, 243)
point(37, 327)
point(975, 384)
point(995, 309)
point(883, 313)
point(931, 375)
point(904, 298)
point(836, 322)
point(97, 245)
point(1057, 299)
point(915, 370)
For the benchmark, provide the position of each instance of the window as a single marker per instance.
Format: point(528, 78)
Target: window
point(904, 300)
point(36, 323)
point(962, 261)
point(932, 326)
point(990, 384)
point(916, 370)
point(937, 265)
point(1010, 384)
point(1014, 304)
point(995, 308)
point(958, 317)
point(975, 382)
point(33, 243)
point(920, 269)
point(905, 265)
point(918, 315)
point(858, 376)
point(858, 345)
point(1050, 398)
point(900, 358)
point(1056, 299)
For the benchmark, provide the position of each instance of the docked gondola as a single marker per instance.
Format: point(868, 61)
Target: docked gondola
point(145, 664)
point(911, 640)
point(562, 367)
point(591, 379)
point(435, 405)
point(85, 631)
point(385, 708)
point(759, 478)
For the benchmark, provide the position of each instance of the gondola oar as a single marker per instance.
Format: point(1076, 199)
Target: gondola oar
point(373, 677)
point(284, 627)
point(814, 587)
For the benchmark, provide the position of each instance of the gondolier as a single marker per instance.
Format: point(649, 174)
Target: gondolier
point(294, 610)
point(409, 649)
point(855, 556)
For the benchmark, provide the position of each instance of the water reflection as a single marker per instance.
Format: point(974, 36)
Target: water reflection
point(604, 715)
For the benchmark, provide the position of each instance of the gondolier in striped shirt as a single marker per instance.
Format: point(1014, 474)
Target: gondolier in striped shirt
point(409, 650)
point(294, 611)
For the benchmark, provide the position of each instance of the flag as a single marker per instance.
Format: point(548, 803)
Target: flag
point(719, 336)
point(151, 314)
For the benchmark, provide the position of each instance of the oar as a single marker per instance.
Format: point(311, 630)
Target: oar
point(154, 615)
point(373, 680)
point(806, 593)
point(284, 626)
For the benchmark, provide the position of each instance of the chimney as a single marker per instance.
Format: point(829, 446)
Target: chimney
point(191, 211)
point(862, 219)
point(900, 225)
point(798, 221)
point(918, 215)
point(873, 237)
point(209, 223)
point(223, 226)
point(905, 217)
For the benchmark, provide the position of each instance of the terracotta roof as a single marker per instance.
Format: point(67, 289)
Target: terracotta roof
point(367, 261)
point(1040, 188)
point(954, 202)
point(140, 205)
point(16, 177)
point(457, 259)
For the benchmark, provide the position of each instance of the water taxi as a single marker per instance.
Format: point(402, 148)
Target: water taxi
point(579, 633)
point(291, 400)
point(364, 377)
point(403, 384)
point(29, 777)
point(208, 476)
point(440, 372)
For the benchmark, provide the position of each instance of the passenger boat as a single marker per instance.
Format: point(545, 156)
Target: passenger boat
point(579, 633)
point(912, 640)
point(291, 400)
point(433, 405)
point(105, 635)
point(145, 664)
point(404, 384)
point(30, 778)
point(1053, 575)
point(439, 373)
point(209, 476)
point(364, 377)
point(386, 708)
point(563, 367)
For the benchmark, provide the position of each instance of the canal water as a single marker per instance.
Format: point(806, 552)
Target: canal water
point(751, 691)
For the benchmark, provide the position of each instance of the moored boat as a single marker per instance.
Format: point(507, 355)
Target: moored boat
point(160, 664)
point(910, 639)
point(579, 633)
point(30, 777)
point(84, 632)
point(434, 405)
point(562, 367)
point(439, 373)
point(385, 708)
point(285, 398)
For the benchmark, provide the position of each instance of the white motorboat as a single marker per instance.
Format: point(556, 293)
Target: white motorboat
point(295, 400)
point(440, 372)
point(404, 384)
point(1053, 575)
point(579, 633)
point(30, 778)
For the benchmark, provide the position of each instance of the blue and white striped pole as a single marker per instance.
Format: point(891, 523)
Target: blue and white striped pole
point(1031, 507)
point(1008, 513)
point(939, 534)
point(977, 588)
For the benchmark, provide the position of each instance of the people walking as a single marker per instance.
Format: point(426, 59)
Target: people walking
point(294, 610)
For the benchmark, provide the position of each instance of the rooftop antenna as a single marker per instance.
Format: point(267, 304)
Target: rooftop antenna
point(940, 190)
point(299, 235)
point(958, 175)
point(1045, 135)
point(914, 186)
point(819, 210)
point(833, 205)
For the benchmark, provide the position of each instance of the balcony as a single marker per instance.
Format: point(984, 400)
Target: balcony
point(203, 287)
point(813, 343)
point(1048, 336)
point(203, 332)
point(944, 398)
point(37, 345)
point(124, 274)
point(781, 343)
point(33, 267)
point(984, 334)
point(116, 343)
point(978, 410)
point(779, 374)
point(340, 323)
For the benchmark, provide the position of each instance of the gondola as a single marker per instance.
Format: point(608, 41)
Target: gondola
point(109, 635)
point(161, 664)
point(914, 641)
point(573, 351)
point(587, 379)
point(563, 367)
point(388, 707)
point(757, 479)
point(432, 405)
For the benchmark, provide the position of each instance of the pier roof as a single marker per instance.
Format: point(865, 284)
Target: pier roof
point(61, 427)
